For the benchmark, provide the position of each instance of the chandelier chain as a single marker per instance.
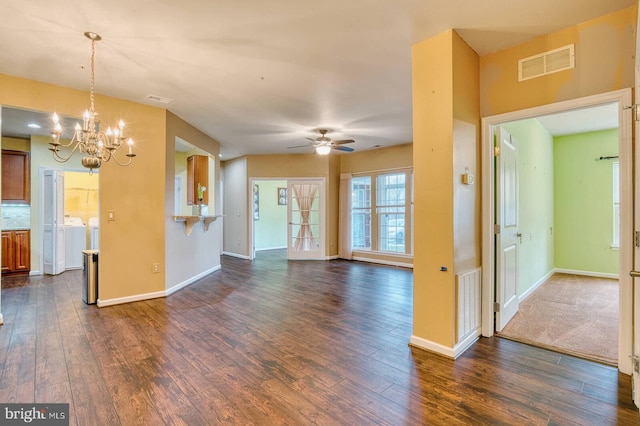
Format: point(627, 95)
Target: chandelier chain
point(93, 76)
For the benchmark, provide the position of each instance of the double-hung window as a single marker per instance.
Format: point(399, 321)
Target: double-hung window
point(381, 212)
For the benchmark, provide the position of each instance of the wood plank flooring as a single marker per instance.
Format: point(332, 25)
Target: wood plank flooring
point(278, 342)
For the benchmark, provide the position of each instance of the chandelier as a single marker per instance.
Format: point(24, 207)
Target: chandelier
point(98, 146)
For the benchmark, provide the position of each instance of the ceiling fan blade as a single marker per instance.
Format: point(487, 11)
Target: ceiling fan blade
point(342, 142)
point(343, 148)
point(300, 146)
point(310, 139)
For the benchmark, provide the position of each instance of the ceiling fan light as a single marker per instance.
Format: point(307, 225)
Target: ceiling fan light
point(323, 149)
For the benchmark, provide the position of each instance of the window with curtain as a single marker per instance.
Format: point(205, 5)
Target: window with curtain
point(381, 212)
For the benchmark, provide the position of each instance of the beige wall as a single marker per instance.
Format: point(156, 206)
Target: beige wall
point(445, 86)
point(237, 207)
point(604, 51)
point(190, 256)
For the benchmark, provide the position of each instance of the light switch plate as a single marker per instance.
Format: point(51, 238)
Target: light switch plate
point(111, 215)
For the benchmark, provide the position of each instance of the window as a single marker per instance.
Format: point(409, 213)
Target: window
point(381, 212)
point(361, 212)
point(616, 205)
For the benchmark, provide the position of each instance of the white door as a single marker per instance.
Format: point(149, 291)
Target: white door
point(53, 222)
point(507, 236)
point(635, 375)
point(305, 215)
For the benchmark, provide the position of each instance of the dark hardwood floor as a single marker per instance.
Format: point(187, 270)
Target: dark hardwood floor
point(277, 342)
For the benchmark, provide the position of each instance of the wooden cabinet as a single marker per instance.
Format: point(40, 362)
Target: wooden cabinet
point(16, 252)
point(16, 176)
point(197, 173)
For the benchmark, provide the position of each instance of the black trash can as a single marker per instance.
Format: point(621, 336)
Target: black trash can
point(90, 276)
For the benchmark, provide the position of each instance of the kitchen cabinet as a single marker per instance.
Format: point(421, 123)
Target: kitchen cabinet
point(197, 173)
point(16, 252)
point(16, 176)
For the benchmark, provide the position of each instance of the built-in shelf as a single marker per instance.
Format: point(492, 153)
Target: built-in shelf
point(189, 221)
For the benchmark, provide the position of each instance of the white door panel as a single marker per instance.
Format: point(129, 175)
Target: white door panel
point(305, 215)
point(507, 239)
point(53, 222)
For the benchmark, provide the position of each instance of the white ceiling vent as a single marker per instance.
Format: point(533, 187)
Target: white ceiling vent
point(158, 99)
point(548, 62)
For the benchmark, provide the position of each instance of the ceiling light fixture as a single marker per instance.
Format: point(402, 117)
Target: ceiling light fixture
point(97, 145)
point(323, 149)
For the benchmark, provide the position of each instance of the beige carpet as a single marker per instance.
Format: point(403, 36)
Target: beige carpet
point(572, 314)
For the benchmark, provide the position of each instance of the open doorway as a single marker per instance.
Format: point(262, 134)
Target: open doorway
point(270, 200)
point(567, 232)
point(619, 99)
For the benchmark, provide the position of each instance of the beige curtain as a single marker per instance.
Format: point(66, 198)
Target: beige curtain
point(305, 195)
point(344, 226)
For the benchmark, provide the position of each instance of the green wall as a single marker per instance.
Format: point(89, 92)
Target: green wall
point(583, 199)
point(271, 228)
point(536, 204)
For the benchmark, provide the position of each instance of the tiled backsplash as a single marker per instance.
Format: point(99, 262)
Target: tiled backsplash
point(16, 217)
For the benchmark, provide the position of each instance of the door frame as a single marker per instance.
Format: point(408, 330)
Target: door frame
point(252, 182)
point(625, 141)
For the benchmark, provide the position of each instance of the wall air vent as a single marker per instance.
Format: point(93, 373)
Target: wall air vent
point(548, 62)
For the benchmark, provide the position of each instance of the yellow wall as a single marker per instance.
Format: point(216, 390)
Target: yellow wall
point(445, 87)
point(16, 144)
point(604, 52)
point(393, 157)
point(135, 239)
point(466, 157)
point(433, 189)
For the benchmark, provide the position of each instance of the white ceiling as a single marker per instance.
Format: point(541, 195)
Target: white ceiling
point(261, 76)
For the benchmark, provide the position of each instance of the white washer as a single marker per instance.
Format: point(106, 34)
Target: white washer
point(75, 240)
point(94, 233)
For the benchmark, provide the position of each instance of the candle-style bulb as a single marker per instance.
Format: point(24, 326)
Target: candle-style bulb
point(55, 118)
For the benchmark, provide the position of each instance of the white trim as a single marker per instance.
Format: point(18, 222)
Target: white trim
point(135, 298)
point(1, 319)
point(383, 262)
point(191, 280)
point(156, 294)
point(332, 257)
point(34, 273)
point(623, 98)
point(466, 343)
point(534, 287)
point(587, 273)
point(271, 248)
point(430, 346)
point(239, 256)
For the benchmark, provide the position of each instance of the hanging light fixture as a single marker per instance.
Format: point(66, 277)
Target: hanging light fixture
point(98, 146)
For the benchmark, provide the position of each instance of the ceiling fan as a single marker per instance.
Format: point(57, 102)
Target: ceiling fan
point(323, 145)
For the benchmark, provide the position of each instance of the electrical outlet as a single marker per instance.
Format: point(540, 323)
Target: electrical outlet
point(155, 268)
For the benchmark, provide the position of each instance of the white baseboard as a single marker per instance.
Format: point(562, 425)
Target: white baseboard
point(135, 298)
point(35, 273)
point(383, 262)
point(180, 286)
point(534, 287)
point(428, 345)
point(466, 343)
point(587, 273)
point(333, 257)
point(156, 294)
point(271, 248)
point(239, 256)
